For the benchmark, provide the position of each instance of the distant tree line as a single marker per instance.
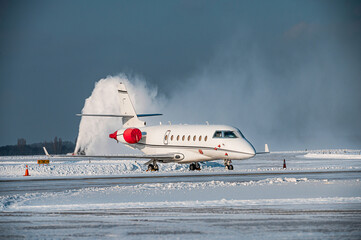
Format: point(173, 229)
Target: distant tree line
point(57, 146)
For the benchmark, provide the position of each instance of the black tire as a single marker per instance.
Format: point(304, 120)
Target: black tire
point(230, 167)
point(192, 167)
point(150, 167)
point(156, 167)
point(197, 166)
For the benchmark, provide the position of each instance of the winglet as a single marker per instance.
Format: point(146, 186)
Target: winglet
point(266, 149)
point(46, 152)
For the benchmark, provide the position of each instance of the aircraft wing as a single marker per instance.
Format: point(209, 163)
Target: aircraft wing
point(173, 157)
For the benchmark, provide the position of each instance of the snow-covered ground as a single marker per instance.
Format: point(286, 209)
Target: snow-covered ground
point(271, 191)
point(14, 167)
point(315, 197)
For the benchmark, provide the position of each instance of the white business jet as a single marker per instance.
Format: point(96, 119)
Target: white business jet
point(183, 144)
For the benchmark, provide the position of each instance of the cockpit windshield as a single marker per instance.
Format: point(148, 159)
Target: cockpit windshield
point(229, 134)
point(224, 134)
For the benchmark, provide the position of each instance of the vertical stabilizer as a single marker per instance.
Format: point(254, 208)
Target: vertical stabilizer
point(127, 108)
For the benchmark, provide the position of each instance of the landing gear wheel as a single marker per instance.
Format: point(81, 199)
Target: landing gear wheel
point(198, 166)
point(152, 167)
point(227, 164)
point(192, 167)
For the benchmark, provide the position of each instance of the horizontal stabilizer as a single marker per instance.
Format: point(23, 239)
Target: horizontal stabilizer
point(127, 111)
point(117, 115)
point(102, 115)
point(149, 115)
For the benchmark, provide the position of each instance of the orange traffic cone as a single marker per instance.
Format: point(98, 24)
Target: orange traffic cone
point(27, 171)
point(284, 163)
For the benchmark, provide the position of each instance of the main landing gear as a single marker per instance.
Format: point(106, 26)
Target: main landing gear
point(153, 167)
point(195, 166)
point(227, 164)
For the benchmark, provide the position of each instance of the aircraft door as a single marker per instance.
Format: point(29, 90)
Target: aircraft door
point(166, 137)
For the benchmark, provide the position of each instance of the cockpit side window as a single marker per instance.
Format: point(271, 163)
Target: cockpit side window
point(240, 133)
point(217, 134)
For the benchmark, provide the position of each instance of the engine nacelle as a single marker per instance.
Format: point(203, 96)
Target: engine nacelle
point(132, 135)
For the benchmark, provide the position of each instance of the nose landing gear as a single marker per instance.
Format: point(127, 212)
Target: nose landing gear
point(195, 166)
point(227, 164)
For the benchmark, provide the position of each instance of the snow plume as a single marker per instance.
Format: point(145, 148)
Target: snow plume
point(292, 93)
point(93, 136)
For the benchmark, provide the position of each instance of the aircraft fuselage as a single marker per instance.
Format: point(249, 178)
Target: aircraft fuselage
point(192, 143)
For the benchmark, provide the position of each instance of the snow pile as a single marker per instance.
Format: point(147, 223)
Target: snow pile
point(210, 203)
point(280, 191)
point(14, 166)
point(337, 151)
point(94, 131)
point(16, 169)
point(332, 156)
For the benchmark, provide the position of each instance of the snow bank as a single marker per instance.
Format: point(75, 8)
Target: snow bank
point(274, 191)
point(16, 169)
point(214, 203)
point(14, 166)
point(332, 156)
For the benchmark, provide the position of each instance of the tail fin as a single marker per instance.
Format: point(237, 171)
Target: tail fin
point(127, 112)
point(127, 109)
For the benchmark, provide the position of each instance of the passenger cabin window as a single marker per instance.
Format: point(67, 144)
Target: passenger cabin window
point(224, 134)
point(205, 138)
point(178, 138)
point(194, 138)
point(189, 137)
point(171, 138)
point(184, 137)
point(200, 138)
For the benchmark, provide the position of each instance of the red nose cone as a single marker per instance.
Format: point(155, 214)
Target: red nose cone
point(114, 135)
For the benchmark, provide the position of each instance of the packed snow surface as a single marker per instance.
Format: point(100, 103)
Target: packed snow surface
point(189, 194)
point(317, 196)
